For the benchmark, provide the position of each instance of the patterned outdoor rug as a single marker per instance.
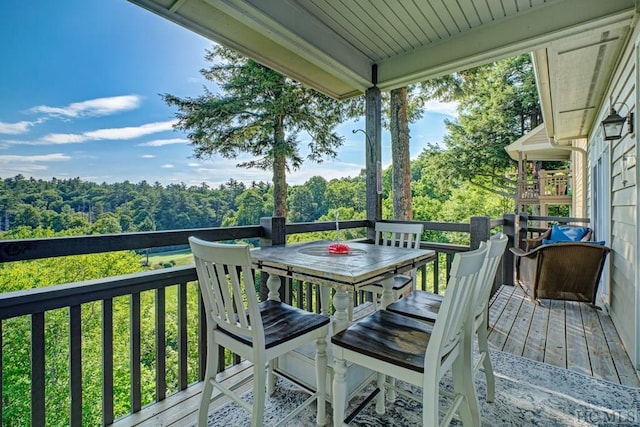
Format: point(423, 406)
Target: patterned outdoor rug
point(528, 393)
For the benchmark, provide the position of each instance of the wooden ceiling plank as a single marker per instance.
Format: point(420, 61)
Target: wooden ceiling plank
point(528, 31)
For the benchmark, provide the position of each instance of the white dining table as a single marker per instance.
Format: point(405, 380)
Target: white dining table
point(364, 264)
point(312, 262)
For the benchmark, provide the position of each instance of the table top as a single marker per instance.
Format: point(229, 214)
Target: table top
point(364, 264)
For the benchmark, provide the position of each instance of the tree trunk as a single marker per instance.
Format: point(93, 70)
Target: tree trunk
point(279, 170)
point(401, 173)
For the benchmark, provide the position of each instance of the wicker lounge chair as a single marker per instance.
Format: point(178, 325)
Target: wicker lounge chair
point(566, 270)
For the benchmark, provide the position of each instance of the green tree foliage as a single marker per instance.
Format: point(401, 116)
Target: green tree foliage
point(498, 103)
point(259, 112)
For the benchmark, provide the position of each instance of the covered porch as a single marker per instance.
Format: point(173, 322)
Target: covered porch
point(344, 53)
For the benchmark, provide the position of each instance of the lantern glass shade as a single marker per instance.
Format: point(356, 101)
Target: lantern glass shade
point(612, 125)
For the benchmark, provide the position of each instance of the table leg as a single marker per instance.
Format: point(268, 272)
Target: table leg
point(340, 316)
point(385, 300)
point(387, 292)
point(273, 284)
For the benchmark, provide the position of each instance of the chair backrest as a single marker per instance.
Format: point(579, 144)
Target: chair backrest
point(454, 311)
point(398, 234)
point(496, 247)
point(226, 283)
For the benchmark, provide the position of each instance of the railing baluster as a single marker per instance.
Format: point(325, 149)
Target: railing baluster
point(37, 370)
point(436, 274)
point(136, 389)
point(75, 338)
point(309, 293)
point(107, 361)
point(182, 336)
point(300, 293)
point(161, 345)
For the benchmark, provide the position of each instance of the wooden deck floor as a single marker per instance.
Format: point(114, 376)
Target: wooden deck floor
point(567, 334)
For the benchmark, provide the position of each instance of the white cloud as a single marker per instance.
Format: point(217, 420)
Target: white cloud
point(92, 107)
point(15, 128)
point(161, 142)
point(111, 134)
point(167, 166)
point(60, 138)
point(448, 108)
point(130, 132)
point(12, 165)
point(54, 157)
point(148, 156)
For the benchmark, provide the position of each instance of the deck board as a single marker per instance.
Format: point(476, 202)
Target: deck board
point(536, 341)
point(567, 334)
point(500, 330)
point(577, 351)
point(556, 346)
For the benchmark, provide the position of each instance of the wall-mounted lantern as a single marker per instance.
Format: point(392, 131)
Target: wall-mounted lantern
point(613, 124)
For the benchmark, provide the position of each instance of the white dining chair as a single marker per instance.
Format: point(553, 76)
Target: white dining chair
point(425, 306)
point(400, 235)
point(258, 332)
point(416, 352)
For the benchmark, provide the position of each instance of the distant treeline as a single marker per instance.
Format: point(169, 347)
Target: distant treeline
point(80, 207)
point(65, 204)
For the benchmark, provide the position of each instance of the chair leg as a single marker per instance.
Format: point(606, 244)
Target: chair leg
point(321, 380)
point(209, 377)
point(483, 348)
point(381, 381)
point(339, 391)
point(259, 389)
point(431, 399)
point(463, 384)
point(271, 377)
point(350, 308)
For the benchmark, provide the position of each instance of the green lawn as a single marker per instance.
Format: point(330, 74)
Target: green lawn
point(169, 259)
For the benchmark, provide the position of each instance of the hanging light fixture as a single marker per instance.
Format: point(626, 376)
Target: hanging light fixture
point(613, 124)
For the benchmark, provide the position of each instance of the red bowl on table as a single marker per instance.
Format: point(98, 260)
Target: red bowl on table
point(338, 248)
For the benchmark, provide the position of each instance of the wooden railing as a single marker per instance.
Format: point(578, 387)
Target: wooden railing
point(176, 312)
point(550, 184)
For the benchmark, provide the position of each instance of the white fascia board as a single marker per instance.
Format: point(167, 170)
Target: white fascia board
point(540, 61)
point(202, 18)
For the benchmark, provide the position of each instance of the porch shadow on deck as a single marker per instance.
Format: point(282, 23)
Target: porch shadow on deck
point(569, 335)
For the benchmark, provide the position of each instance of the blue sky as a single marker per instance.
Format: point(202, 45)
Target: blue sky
point(79, 97)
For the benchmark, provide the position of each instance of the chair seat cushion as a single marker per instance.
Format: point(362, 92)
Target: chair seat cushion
point(282, 322)
point(389, 337)
point(421, 305)
point(400, 281)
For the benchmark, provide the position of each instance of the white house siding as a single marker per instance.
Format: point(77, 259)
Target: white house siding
point(624, 204)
